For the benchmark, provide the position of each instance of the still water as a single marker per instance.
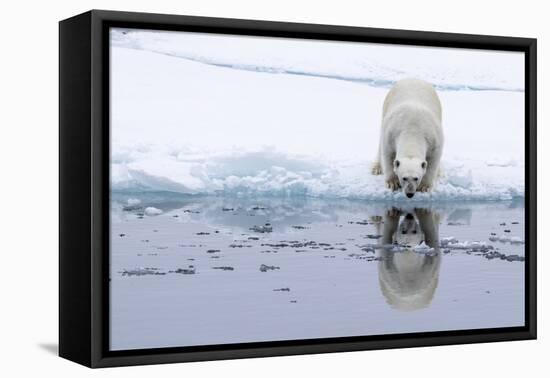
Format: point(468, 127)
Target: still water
point(215, 270)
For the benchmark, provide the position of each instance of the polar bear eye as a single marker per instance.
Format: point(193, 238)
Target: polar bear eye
point(415, 179)
point(424, 164)
point(405, 179)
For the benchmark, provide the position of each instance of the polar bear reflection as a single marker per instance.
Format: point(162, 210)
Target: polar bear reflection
point(408, 278)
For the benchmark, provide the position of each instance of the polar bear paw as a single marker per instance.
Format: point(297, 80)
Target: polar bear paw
point(423, 187)
point(376, 219)
point(393, 212)
point(376, 168)
point(393, 183)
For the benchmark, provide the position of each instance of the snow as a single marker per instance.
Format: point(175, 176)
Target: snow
point(187, 118)
point(375, 64)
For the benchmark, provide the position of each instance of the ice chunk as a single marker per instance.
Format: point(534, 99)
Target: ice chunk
point(516, 240)
point(423, 248)
point(152, 211)
point(142, 272)
point(133, 201)
point(475, 245)
point(448, 240)
point(507, 239)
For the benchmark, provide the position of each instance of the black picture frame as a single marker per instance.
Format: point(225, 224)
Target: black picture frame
point(84, 187)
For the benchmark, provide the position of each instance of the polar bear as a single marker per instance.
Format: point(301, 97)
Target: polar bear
point(411, 139)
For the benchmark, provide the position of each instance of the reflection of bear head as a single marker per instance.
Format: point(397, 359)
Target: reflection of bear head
point(409, 232)
point(410, 172)
point(408, 279)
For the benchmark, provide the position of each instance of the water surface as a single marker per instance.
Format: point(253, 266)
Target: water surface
point(215, 270)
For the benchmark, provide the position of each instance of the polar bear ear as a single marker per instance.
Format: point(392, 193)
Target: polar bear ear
point(424, 164)
point(396, 163)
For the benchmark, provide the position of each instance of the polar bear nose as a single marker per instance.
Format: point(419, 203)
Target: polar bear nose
point(410, 195)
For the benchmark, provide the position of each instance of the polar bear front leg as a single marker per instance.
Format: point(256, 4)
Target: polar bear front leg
point(376, 169)
point(377, 165)
point(391, 223)
point(429, 224)
point(392, 181)
point(432, 172)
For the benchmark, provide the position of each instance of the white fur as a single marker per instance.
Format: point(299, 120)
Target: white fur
point(411, 135)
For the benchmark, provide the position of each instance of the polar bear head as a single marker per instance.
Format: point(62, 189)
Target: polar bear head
point(409, 232)
point(410, 172)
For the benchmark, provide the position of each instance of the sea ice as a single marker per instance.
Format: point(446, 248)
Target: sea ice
point(295, 152)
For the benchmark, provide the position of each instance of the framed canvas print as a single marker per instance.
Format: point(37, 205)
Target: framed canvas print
point(234, 188)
